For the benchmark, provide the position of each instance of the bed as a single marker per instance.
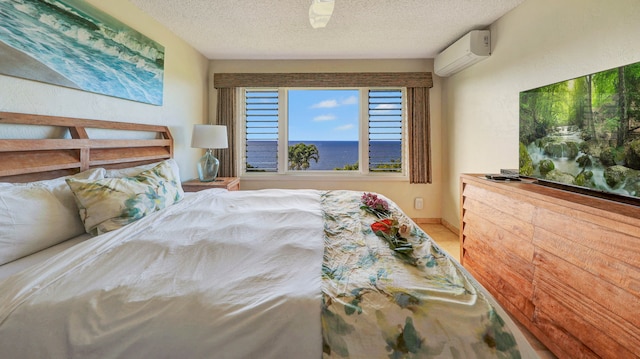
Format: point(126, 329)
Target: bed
point(104, 256)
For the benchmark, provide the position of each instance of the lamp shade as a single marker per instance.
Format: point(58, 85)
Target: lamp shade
point(209, 136)
point(320, 13)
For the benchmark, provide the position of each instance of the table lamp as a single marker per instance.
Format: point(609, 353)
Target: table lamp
point(320, 13)
point(209, 137)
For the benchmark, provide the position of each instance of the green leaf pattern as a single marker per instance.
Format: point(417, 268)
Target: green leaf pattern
point(377, 304)
point(111, 203)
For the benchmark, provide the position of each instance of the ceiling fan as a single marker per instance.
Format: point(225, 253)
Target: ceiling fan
point(320, 13)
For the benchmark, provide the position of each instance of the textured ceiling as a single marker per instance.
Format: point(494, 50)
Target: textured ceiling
point(358, 29)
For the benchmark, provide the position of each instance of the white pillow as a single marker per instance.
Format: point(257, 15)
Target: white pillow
point(134, 171)
point(37, 215)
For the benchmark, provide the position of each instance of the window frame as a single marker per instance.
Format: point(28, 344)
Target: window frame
point(363, 139)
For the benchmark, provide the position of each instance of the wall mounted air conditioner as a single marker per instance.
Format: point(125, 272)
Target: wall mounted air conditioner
point(468, 50)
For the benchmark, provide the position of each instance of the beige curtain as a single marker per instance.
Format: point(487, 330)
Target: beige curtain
point(226, 116)
point(417, 84)
point(419, 135)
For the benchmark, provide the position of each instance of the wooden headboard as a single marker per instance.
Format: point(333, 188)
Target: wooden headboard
point(25, 160)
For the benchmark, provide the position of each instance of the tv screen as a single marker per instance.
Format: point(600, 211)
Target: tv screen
point(584, 133)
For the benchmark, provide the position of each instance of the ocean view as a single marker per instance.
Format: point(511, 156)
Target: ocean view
point(333, 154)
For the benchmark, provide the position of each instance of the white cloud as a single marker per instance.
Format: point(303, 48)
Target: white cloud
point(386, 106)
point(352, 100)
point(324, 118)
point(326, 104)
point(344, 128)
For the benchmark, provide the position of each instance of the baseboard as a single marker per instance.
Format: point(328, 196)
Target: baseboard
point(441, 221)
point(450, 227)
point(427, 220)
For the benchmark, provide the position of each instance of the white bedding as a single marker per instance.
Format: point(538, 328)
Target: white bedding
point(17, 265)
point(179, 285)
point(38, 257)
point(252, 274)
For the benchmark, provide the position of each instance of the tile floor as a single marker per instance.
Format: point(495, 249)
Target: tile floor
point(450, 242)
point(446, 239)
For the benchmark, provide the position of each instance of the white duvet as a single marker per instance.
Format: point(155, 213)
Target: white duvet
point(209, 277)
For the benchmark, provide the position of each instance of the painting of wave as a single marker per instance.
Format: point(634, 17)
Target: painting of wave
point(71, 43)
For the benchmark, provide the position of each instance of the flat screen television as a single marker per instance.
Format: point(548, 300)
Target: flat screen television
point(583, 134)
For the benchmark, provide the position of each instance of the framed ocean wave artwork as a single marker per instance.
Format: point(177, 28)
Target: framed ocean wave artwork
point(70, 43)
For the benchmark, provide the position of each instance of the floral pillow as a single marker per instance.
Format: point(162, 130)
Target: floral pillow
point(111, 203)
point(134, 171)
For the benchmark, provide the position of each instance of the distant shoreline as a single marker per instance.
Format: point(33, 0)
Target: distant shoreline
point(332, 154)
point(19, 64)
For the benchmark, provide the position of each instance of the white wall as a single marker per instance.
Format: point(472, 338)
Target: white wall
point(185, 90)
point(400, 192)
point(538, 43)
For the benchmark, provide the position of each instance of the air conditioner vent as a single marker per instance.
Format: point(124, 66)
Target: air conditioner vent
point(468, 50)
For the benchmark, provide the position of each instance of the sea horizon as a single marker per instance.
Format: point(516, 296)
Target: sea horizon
point(333, 154)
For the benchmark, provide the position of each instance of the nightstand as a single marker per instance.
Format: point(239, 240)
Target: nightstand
point(194, 185)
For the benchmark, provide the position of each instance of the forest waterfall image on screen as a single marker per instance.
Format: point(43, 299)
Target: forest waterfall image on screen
point(584, 132)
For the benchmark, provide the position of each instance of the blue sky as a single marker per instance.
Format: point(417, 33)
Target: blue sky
point(323, 115)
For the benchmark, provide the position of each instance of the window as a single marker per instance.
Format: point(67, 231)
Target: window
point(385, 131)
point(261, 130)
point(332, 130)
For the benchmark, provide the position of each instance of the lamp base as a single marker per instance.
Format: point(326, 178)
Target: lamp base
point(208, 167)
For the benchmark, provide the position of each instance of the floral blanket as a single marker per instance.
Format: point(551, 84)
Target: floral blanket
point(379, 302)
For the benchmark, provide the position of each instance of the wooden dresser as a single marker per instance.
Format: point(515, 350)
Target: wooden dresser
point(567, 266)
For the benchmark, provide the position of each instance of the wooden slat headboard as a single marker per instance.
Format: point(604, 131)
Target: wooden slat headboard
point(25, 160)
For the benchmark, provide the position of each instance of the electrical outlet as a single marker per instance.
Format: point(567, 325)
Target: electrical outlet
point(418, 203)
